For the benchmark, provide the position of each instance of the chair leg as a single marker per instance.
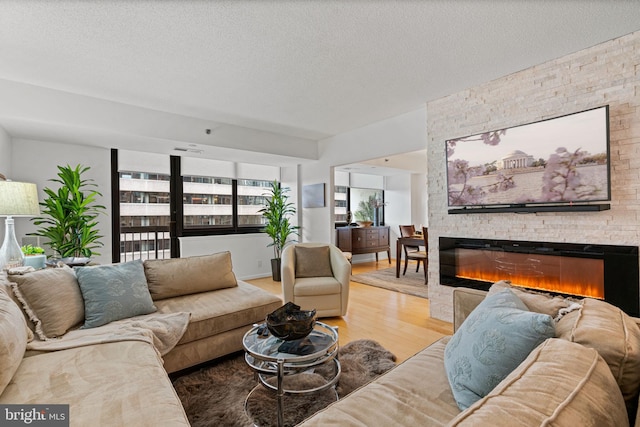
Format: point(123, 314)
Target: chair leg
point(405, 266)
point(425, 272)
point(417, 265)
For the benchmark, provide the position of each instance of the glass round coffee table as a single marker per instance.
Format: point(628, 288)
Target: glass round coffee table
point(275, 359)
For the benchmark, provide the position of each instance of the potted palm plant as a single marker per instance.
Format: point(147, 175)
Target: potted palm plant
point(69, 216)
point(277, 211)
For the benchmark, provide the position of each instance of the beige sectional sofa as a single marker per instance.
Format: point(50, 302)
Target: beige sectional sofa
point(588, 374)
point(116, 374)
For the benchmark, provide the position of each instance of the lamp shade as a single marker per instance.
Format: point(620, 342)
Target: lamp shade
point(18, 199)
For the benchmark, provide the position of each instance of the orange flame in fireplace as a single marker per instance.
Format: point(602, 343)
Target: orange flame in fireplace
point(566, 275)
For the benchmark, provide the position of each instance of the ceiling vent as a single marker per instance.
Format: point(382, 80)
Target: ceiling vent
point(189, 150)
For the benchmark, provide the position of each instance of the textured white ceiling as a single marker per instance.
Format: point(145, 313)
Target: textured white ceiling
point(307, 69)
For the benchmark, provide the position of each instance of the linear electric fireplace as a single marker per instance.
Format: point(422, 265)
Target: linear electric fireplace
point(604, 272)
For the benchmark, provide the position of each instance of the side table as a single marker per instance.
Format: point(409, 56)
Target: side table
point(272, 357)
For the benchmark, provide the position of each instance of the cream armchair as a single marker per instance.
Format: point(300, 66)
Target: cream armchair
point(316, 275)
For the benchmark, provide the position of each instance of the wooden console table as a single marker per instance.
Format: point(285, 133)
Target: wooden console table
point(364, 240)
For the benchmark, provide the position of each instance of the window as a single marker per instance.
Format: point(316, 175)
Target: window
point(207, 201)
point(341, 197)
point(144, 199)
point(222, 205)
point(250, 200)
point(202, 204)
point(367, 204)
point(361, 202)
point(144, 216)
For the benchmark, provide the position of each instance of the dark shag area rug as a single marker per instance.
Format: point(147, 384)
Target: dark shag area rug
point(215, 395)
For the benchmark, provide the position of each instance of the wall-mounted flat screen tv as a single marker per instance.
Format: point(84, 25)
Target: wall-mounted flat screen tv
point(559, 161)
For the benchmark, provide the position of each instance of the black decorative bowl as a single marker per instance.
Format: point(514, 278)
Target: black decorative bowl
point(290, 323)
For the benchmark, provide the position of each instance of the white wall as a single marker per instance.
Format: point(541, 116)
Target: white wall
point(400, 134)
point(420, 199)
point(398, 197)
point(250, 255)
point(38, 161)
point(406, 197)
point(80, 119)
point(5, 157)
point(5, 168)
point(289, 179)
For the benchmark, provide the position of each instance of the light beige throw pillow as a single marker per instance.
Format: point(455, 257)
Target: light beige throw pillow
point(13, 339)
point(52, 299)
point(168, 278)
point(313, 261)
point(539, 302)
point(614, 334)
point(560, 384)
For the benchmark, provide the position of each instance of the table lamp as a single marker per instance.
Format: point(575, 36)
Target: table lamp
point(16, 199)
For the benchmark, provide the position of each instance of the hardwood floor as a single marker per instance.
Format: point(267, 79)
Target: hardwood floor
point(399, 322)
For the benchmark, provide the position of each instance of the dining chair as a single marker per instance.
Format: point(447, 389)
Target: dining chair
point(412, 252)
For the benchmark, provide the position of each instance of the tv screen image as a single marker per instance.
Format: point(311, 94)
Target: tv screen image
point(563, 160)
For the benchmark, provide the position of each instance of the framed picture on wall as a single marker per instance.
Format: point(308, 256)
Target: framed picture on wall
point(313, 196)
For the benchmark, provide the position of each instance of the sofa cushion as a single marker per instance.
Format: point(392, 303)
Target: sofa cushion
point(168, 278)
point(540, 302)
point(13, 338)
point(52, 299)
point(559, 384)
point(496, 337)
point(614, 335)
point(113, 292)
point(111, 384)
point(415, 393)
point(315, 286)
point(223, 310)
point(313, 261)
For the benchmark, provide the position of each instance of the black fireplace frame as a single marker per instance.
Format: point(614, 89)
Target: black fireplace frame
point(621, 264)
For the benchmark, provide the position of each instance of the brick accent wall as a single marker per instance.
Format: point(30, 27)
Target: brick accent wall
point(608, 73)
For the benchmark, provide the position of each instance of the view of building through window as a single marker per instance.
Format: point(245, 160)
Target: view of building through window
point(340, 207)
point(144, 216)
point(356, 200)
point(251, 198)
point(208, 203)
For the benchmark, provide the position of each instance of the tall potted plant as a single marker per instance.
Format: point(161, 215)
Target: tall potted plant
point(69, 215)
point(277, 211)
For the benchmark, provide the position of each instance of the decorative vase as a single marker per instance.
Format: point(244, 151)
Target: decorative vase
point(10, 253)
point(376, 217)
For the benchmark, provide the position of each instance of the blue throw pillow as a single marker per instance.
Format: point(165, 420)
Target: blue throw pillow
point(496, 337)
point(113, 292)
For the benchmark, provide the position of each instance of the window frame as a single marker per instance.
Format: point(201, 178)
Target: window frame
point(182, 231)
point(176, 210)
point(352, 210)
